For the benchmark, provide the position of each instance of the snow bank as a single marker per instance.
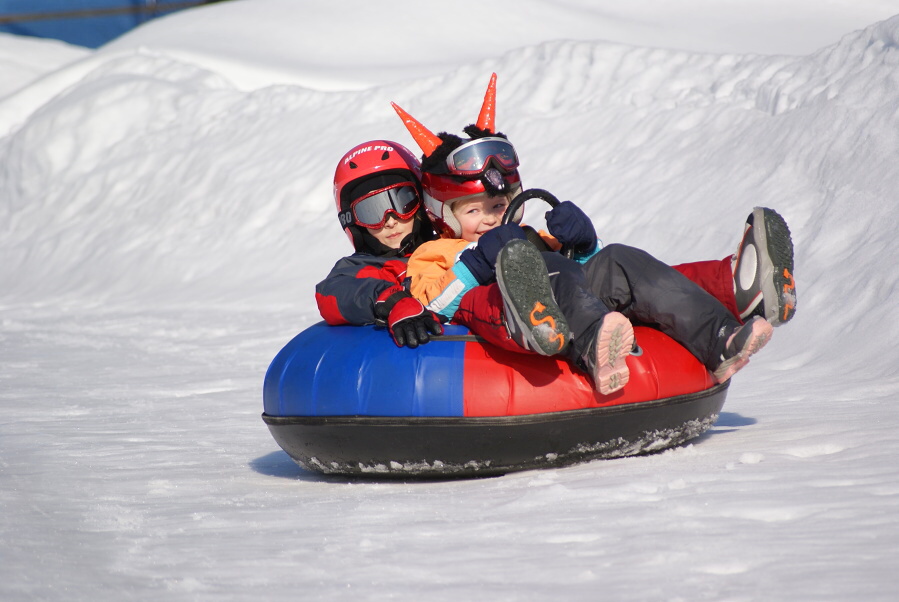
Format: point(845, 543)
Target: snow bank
point(22, 60)
point(152, 177)
point(162, 227)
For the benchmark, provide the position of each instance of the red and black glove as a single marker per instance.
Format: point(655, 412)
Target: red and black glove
point(410, 323)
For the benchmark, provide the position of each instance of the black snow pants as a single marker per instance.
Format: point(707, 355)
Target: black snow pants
point(647, 291)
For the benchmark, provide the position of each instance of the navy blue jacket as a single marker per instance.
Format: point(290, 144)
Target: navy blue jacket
point(355, 283)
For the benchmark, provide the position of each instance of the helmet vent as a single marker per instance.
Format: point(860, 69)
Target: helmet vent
point(385, 156)
point(353, 165)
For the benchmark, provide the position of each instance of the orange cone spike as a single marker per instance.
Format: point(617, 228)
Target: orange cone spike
point(425, 139)
point(487, 118)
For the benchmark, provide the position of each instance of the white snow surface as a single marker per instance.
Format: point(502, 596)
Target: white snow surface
point(165, 212)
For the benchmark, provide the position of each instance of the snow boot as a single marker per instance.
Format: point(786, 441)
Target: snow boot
point(763, 269)
point(613, 343)
point(532, 316)
point(745, 341)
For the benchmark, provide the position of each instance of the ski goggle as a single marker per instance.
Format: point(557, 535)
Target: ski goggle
point(473, 157)
point(370, 211)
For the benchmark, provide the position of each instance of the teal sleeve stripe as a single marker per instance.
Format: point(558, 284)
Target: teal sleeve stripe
point(448, 301)
point(464, 274)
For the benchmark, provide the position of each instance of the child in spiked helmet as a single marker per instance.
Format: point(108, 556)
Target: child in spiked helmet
point(367, 287)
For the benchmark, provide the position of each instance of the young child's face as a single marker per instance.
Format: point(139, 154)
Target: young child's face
point(393, 232)
point(478, 214)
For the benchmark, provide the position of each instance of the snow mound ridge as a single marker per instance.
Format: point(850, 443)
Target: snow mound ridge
point(861, 70)
point(149, 175)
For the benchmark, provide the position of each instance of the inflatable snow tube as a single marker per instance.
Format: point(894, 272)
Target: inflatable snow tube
point(347, 400)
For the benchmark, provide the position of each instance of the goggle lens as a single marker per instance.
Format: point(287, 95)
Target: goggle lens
point(371, 210)
point(473, 157)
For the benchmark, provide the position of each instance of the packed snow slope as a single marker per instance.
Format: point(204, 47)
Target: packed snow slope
point(22, 60)
point(161, 231)
point(359, 44)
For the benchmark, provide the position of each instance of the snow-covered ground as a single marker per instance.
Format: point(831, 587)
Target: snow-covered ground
point(165, 213)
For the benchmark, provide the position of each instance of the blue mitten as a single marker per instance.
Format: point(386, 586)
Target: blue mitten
point(481, 260)
point(572, 228)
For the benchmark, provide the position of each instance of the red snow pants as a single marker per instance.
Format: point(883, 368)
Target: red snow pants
point(481, 309)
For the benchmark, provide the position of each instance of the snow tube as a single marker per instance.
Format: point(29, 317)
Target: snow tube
point(346, 400)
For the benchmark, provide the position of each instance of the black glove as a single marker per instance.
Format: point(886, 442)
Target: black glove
point(410, 323)
point(481, 260)
point(572, 228)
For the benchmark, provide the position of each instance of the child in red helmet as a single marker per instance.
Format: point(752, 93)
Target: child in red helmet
point(480, 175)
point(377, 191)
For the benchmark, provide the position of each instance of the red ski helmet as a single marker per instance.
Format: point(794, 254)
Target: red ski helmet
point(453, 168)
point(372, 180)
point(440, 191)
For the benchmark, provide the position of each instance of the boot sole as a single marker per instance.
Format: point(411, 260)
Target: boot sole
point(614, 342)
point(761, 334)
point(530, 308)
point(774, 250)
point(779, 245)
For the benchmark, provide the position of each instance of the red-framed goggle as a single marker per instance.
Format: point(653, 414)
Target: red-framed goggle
point(473, 157)
point(370, 211)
